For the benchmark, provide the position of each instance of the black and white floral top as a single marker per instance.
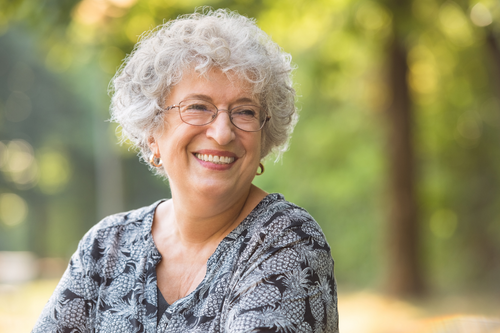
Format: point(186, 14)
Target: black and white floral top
point(273, 273)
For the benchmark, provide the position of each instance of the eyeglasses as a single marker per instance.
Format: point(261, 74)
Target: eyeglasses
point(196, 112)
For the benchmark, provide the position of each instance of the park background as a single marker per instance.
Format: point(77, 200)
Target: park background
point(396, 153)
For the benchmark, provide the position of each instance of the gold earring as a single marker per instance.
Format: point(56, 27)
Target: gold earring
point(153, 159)
point(261, 166)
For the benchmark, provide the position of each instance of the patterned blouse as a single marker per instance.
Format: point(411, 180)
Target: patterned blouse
point(272, 273)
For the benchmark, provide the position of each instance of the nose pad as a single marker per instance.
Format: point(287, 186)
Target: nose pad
point(216, 115)
point(227, 113)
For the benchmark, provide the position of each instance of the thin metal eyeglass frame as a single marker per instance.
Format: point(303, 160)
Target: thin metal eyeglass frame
point(216, 115)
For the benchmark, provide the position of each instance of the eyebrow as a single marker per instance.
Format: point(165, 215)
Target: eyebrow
point(209, 99)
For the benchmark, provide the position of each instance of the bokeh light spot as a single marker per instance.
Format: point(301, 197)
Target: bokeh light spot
point(18, 163)
point(480, 15)
point(90, 11)
point(455, 24)
point(423, 77)
point(13, 209)
point(25, 179)
point(19, 156)
point(55, 171)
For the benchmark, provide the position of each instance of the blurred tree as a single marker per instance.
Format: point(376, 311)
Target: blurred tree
point(483, 208)
point(44, 159)
point(404, 272)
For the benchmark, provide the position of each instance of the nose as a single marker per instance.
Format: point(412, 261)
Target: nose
point(221, 129)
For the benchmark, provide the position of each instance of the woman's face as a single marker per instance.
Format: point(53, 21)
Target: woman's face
point(184, 148)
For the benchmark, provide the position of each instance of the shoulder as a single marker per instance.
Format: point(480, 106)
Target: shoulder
point(285, 273)
point(124, 218)
point(276, 217)
point(133, 220)
point(99, 272)
point(116, 238)
point(278, 231)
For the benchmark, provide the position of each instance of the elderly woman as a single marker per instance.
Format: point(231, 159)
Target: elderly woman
point(206, 98)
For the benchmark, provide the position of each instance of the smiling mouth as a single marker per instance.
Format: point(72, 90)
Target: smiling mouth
point(215, 159)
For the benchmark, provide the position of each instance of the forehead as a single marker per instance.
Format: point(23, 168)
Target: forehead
point(214, 85)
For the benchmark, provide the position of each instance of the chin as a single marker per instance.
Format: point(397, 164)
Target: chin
point(217, 188)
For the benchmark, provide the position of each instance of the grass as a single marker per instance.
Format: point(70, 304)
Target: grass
point(20, 305)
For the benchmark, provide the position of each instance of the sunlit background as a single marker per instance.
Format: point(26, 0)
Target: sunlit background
point(61, 169)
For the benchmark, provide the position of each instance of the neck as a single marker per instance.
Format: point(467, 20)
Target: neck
point(196, 222)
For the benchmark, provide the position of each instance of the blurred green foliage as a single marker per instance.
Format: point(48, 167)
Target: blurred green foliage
point(61, 169)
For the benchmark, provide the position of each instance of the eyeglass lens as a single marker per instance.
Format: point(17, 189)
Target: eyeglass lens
point(199, 112)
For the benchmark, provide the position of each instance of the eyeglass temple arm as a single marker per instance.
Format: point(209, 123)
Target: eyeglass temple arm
point(159, 111)
point(171, 107)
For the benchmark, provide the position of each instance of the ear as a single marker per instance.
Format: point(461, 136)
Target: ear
point(153, 146)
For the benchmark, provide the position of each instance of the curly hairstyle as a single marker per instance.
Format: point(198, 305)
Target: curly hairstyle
point(201, 41)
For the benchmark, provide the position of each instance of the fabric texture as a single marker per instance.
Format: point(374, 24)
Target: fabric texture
point(272, 273)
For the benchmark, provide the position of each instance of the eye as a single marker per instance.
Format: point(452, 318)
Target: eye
point(197, 107)
point(247, 111)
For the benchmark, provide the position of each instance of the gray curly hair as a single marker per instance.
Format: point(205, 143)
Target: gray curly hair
point(201, 41)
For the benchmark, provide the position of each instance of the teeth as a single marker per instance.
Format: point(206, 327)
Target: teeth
point(215, 159)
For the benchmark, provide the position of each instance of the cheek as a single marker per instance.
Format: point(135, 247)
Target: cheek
point(262, 143)
point(178, 143)
point(258, 144)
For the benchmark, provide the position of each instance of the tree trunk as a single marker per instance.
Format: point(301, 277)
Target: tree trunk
point(405, 275)
point(494, 49)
